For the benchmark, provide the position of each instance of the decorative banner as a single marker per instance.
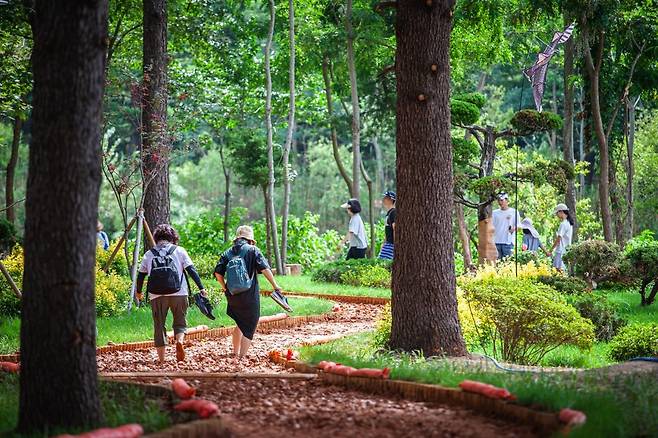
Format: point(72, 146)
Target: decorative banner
point(537, 73)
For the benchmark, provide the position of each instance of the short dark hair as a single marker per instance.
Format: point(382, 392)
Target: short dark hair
point(165, 232)
point(355, 205)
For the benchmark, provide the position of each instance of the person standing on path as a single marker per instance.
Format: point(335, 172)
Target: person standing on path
point(505, 222)
point(531, 239)
point(562, 238)
point(356, 234)
point(243, 297)
point(388, 250)
point(101, 236)
point(166, 265)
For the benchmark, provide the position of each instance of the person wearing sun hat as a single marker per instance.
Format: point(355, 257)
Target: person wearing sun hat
point(562, 237)
point(356, 233)
point(387, 252)
point(505, 221)
point(244, 304)
point(531, 238)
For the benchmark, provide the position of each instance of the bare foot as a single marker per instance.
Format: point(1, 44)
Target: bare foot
point(180, 352)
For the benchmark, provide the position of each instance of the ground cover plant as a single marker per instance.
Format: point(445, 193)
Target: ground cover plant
point(305, 283)
point(615, 406)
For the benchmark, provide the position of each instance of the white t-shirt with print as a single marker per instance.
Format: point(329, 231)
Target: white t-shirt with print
point(565, 232)
point(180, 256)
point(502, 221)
point(358, 238)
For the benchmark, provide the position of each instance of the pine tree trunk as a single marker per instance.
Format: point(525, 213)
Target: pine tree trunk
point(486, 245)
point(289, 136)
point(270, 144)
point(567, 132)
point(11, 169)
point(334, 135)
point(424, 304)
point(58, 379)
point(356, 111)
point(155, 142)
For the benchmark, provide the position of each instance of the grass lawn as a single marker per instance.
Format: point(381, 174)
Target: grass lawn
point(122, 404)
point(303, 283)
point(617, 407)
point(138, 325)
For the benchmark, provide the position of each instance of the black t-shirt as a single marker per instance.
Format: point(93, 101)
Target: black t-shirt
point(255, 262)
point(390, 220)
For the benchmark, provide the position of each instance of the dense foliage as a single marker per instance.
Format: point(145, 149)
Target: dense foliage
point(603, 315)
point(642, 255)
point(636, 340)
point(352, 271)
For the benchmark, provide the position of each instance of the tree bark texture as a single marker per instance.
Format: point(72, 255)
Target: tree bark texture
point(11, 169)
point(155, 139)
point(270, 144)
point(356, 111)
point(424, 304)
point(486, 245)
point(334, 135)
point(58, 379)
point(289, 136)
point(629, 125)
point(567, 130)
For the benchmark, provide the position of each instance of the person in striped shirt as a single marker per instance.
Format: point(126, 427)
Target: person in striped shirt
point(387, 252)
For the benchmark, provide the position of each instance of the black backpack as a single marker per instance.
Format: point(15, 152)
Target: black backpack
point(164, 279)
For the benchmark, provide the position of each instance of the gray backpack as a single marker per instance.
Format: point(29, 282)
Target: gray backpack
point(237, 274)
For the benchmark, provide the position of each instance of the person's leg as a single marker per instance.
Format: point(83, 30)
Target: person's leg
point(351, 253)
point(237, 341)
point(159, 315)
point(245, 343)
point(178, 306)
point(508, 250)
point(499, 250)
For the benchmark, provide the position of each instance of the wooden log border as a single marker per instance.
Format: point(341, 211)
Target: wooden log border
point(351, 299)
point(544, 423)
point(219, 332)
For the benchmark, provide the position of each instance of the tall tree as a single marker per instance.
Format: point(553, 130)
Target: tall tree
point(356, 111)
point(567, 128)
point(287, 176)
point(424, 304)
point(269, 195)
point(155, 139)
point(58, 380)
point(11, 168)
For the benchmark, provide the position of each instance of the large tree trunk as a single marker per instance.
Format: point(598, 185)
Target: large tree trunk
point(567, 131)
point(463, 236)
point(155, 140)
point(356, 111)
point(58, 379)
point(629, 125)
point(227, 193)
point(615, 203)
point(552, 135)
point(424, 304)
point(593, 70)
point(334, 135)
point(11, 168)
point(581, 144)
point(289, 135)
point(270, 144)
point(371, 211)
point(486, 245)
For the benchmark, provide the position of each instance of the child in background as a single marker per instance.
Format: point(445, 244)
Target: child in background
point(563, 236)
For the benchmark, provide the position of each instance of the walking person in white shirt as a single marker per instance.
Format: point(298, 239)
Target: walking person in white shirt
point(563, 236)
point(506, 220)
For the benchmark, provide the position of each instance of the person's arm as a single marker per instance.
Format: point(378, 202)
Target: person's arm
point(140, 285)
point(270, 277)
point(555, 244)
point(220, 280)
point(191, 271)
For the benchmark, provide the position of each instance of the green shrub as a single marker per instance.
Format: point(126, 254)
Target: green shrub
point(10, 305)
point(603, 315)
point(522, 321)
point(369, 276)
point(477, 99)
point(205, 264)
point(594, 260)
point(641, 254)
point(119, 265)
point(463, 113)
point(463, 151)
point(564, 284)
point(333, 272)
point(204, 234)
point(383, 328)
point(529, 121)
point(635, 340)
point(8, 237)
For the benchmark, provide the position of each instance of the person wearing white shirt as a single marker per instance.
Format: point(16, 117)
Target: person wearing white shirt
point(563, 236)
point(506, 220)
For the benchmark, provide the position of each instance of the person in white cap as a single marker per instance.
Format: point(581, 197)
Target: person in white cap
point(505, 221)
point(531, 240)
point(563, 236)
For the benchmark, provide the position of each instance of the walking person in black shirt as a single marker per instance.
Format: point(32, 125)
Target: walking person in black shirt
point(387, 252)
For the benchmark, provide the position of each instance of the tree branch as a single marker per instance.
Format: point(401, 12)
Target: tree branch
point(379, 7)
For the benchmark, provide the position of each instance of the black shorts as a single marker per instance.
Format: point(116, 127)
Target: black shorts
point(356, 253)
